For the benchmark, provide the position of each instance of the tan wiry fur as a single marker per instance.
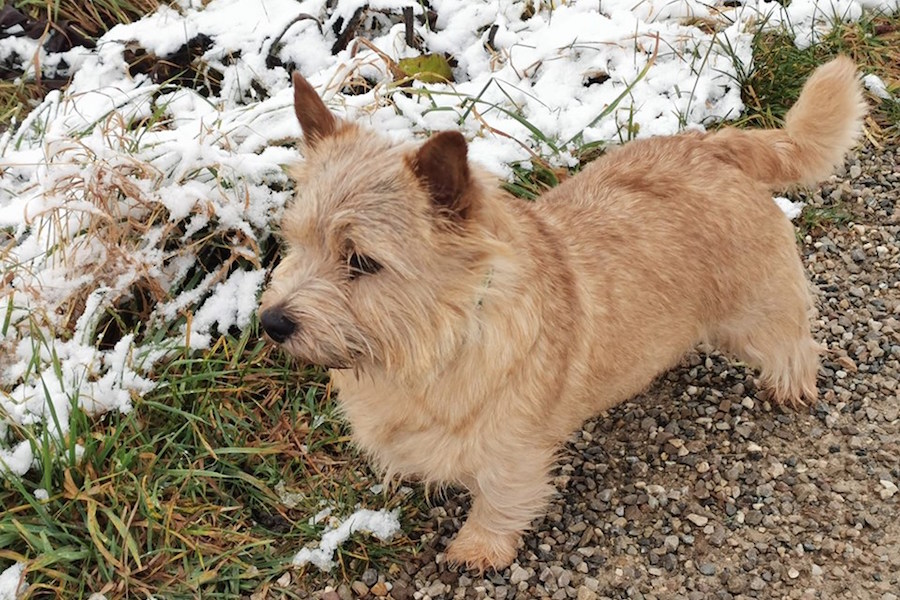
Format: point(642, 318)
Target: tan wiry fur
point(496, 326)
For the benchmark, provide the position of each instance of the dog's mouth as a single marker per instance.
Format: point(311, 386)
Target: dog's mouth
point(337, 366)
point(332, 362)
point(340, 362)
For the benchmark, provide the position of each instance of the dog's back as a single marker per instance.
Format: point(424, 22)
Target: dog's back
point(681, 242)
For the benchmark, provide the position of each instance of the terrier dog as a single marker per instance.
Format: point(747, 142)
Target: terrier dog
point(469, 332)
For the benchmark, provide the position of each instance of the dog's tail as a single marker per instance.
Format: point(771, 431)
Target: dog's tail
point(818, 131)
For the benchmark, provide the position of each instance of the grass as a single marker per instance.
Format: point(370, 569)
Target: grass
point(815, 219)
point(184, 496)
point(16, 99)
point(180, 497)
point(780, 68)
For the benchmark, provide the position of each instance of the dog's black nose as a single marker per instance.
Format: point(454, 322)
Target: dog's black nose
point(277, 324)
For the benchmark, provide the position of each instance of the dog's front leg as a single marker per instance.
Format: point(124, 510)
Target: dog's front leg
point(507, 496)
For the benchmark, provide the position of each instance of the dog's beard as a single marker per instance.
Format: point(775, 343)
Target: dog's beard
point(327, 361)
point(338, 366)
point(325, 353)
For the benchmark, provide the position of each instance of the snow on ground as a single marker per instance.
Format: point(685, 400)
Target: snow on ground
point(109, 188)
point(382, 524)
point(789, 208)
point(12, 585)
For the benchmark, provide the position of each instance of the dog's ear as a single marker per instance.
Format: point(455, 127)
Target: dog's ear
point(315, 118)
point(442, 165)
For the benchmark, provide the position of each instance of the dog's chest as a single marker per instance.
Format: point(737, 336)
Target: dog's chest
point(407, 437)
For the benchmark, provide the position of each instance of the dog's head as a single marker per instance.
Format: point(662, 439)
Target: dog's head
point(382, 254)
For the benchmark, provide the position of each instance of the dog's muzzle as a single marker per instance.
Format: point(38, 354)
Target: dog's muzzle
point(277, 324)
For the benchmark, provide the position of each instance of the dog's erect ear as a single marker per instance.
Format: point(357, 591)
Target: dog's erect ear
point(315, 118)
point(442, 165)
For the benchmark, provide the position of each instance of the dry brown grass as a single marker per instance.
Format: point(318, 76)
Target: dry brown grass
point(91, 18)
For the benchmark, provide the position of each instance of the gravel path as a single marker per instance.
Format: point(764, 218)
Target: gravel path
point(702, 489)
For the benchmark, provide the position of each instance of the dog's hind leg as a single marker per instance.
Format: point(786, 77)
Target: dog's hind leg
point(772, 334)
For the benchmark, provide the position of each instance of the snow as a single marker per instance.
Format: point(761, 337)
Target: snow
point(17, 460)
point(382, 524)
point(111, 187)
point(12, 582)
point(321, 515)
point(875, 85)
point(791, 209)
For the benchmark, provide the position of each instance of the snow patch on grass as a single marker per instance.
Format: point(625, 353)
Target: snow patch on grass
point(383, 524)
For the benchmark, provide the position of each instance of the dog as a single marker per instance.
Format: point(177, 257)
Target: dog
point(468, 333)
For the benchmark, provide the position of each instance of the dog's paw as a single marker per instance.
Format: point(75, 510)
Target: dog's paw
point(480, 549)
point(798, 400)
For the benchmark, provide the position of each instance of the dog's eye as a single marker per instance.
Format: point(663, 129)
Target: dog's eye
point(362, 265)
